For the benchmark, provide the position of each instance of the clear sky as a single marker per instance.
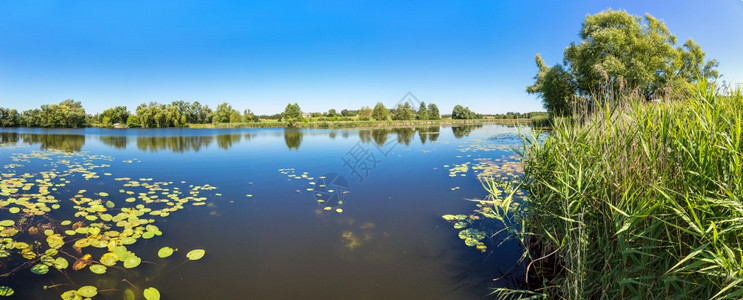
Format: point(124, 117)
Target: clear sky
point(321, 54)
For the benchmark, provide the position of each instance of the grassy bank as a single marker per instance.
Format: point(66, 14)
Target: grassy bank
point(360, 124)
point(643, 200)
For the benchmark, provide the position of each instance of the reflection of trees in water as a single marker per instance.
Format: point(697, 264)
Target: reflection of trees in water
point(118, 142)
point(380, 136)
point(464, 130)
point(332, 134)
point(404, 135)
point(173, 143)
point(428, 133)
point(225, 141)
point(365, 136)
point(293, 138)
point(64, 142)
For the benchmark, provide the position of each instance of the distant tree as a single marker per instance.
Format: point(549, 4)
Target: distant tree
point(403, 112)
point(422, 113)
point(9, 117)
point(462, 113)
point(380, 112)
point(292, 114)
point(365, 113)
point(222, 113)
point(249, 116)
point(349, 113)
point(332, 113)
point(433, 112)
point(133, 122)
point(118, 114)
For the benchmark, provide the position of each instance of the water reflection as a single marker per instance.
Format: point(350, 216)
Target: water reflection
point(464, 130)
point(293, 138)
point(195, 142)
point(64, 142)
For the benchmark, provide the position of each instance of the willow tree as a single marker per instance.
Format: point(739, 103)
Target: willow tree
point(617, 51)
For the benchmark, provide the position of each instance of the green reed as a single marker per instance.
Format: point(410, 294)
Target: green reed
point(634, 200)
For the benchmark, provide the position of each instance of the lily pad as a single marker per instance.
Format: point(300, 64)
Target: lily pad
point(460, 225)
point(132, 262)
point(98, 269)
point(165, 252)
point(88, 291)
point(151, 293)
point(109, 259)
point(7, 223)
point(40, 269)
point(195, 254)
point(6, 291)
point(61, 263)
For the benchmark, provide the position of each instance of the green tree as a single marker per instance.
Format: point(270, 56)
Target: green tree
point(133, 122)
point(621, 51)
point(380, 112)
point(332, 112)
point(9, 117)
point(422, 113)
point(118, 114)
point(365, 113)
point(292, 114)
point(222, 113)
point(403, 112)
point(463, 113)
point(433, 112)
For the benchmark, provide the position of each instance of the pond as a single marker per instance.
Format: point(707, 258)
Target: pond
point(280, 213)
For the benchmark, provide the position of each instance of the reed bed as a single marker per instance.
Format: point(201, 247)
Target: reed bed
point(635, 199)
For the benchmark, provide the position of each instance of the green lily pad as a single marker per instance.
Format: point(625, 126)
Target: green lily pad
point(109, 259)
point(6, 291)
point(14, 210)
point(165, 252)
point(151, 293)
point(61, 263)
point(71, 295)
point(88, 291)
point(195, 254)
point(98, 269)
point(7, 223)
point(460, 225)
point(132, 262)
point(103, 194)
point(40, 269)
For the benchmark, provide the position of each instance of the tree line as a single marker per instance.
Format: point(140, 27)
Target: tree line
point(71, 114)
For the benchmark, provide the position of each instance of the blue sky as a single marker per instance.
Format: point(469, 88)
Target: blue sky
point(321, 54)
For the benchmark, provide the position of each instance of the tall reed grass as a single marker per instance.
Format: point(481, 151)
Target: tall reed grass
point(636, 200)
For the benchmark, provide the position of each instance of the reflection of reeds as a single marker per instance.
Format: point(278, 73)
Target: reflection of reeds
point(639, 200)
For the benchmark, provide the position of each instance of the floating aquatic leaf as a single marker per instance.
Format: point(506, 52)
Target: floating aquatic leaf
point(98, 269)
point(109, 259)
point(460, 225)
point(103, 194)
point(82, 262)
point(165, 252)
point(14, 210)
point(110, 204)
point(61, 263)
point(7, 223)
point(195, 254)
point(40, 269)
point(71, 295)
point(132, 262)
point(88, 291)
point(6, 291)
point(151, 293)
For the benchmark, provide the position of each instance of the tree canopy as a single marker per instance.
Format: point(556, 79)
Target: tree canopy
point(618, 51)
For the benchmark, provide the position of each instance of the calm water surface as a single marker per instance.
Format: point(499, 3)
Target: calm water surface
point(377, 232)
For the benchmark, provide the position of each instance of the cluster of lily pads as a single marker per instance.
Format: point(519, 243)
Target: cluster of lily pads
point(320, 189)
point(502, 169)
point(44, 224)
